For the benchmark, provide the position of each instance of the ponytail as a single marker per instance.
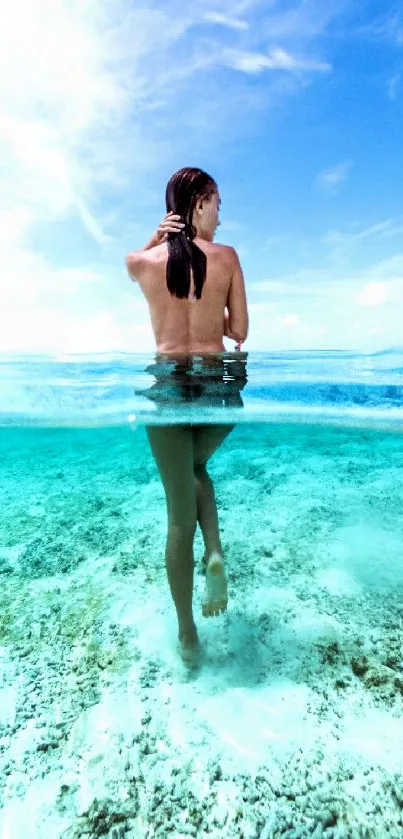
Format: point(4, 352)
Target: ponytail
point(184, 256)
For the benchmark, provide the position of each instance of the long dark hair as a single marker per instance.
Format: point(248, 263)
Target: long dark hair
point(182, 192)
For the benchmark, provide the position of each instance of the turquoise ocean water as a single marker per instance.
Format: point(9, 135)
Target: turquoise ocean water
point(294, 725)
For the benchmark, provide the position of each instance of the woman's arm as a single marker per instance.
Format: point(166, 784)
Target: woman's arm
point(154, 241)
point(227, 331)
point(171, 223)
point(238, 318)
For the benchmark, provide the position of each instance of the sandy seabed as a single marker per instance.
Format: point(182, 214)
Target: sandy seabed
point(293, 725)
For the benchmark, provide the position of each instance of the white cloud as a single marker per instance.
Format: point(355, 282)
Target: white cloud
point(344, 240)
point(332, 179)
point(331, 307)
point(291, 319)
point(53, 91)
point(231, 226)
point(389, 25)
point(51, 330)
point(272, 241)
point(226, 20)
point(373, 294)
point(276, 59)
point(14, 225)
point(392, 86)
point(302, 20)
point(329, 281)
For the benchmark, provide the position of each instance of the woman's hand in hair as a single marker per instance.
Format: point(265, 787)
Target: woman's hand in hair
point(171, 223)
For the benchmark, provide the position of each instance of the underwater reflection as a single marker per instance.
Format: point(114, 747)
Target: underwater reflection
point(211, 380)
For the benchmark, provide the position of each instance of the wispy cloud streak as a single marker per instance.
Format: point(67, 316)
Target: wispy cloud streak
point(331, 180)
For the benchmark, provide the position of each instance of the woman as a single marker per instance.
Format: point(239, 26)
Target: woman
point(196, 294)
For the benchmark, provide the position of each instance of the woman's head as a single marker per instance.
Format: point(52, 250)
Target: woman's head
point(193, 194)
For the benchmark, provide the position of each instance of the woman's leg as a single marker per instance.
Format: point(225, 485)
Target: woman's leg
point(206, 440)
point(207, 515)
point(172, 448)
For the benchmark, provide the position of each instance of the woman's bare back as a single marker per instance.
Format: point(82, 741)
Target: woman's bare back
point(191, 325)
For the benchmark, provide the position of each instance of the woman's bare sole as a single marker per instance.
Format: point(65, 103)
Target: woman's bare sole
point(215, 598)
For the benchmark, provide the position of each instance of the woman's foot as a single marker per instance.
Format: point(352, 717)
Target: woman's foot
point(215, 598)
point(190, 649)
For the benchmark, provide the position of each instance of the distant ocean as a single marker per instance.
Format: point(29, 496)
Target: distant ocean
point(293, 727)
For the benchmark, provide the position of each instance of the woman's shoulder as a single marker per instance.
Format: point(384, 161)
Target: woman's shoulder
point(216, 248)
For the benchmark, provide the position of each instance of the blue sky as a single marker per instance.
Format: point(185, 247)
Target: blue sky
point(295, 107)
